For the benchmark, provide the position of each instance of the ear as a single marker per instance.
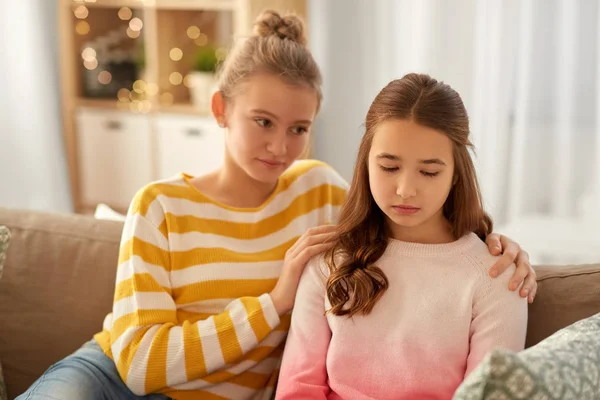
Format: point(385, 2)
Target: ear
point(218, 108)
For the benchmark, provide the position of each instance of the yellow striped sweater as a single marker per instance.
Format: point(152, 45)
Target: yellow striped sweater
point(192, 317)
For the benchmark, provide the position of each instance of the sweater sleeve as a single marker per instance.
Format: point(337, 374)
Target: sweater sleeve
point(303, 371)
point(151, 348)
point(499, 319)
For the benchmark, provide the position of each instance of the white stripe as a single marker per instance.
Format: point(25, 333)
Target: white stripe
point(297, 227)
point(231, 391)
point(136, 378)
point(274, 339)
point(108, 322)
point(269, 310)
point(315, 177)
point(213, 356)
point(196, 384)
point(266, 366)
point(243, 329)
point(213, 306)
point(176, 372)
point(143, 301)
point(135, 265)
point(155, 213)
point(139, 226)
point(225, 271)
point(242, 367)
point(122, 342)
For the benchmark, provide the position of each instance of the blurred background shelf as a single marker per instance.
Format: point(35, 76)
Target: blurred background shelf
point(137, 76)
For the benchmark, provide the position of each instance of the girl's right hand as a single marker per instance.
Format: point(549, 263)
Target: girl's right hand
point(313, 242)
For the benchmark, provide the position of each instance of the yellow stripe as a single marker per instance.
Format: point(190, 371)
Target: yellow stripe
point(192, 316)
point(146, 251)
point(284, 322)
point(207, 255)
point(141, 318)
point(230, 347)
point(156, 371)
point(273, 379)
point(126, 356)
point(164, 229)
point(195, 366)
point(251, 380)
point(312, 200)
point(138, 283)
point(222, 289)
point(256, 317)
point(258, 354)
point(193, 395)
point(218, 377)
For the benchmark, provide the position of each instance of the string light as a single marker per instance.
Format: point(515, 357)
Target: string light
point(104, 77)
point(125, 13)
point(145, 106)
point(201, 40)
point(136, 24)
point(133, 34)
point(193, 32)
point(175, 78)
point(139, 86)
point(123, 94)
point(176, 54)
point(151, 89)
point(82, 28)
point(88, 54)
point(91, 64)
point(187, 81)
point(81, 12)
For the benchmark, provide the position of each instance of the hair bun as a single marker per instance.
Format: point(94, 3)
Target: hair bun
point(271, 23)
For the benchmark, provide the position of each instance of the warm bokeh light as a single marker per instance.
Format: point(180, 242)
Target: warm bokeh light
point(91, 64)
point(193, 32)
point(123, 94)
point(136, 24)
point(187, 81)
point(82, 28)
point(145, 106)
point(175, 78)
point(81, 12)
point(104, 77)
point(133, 34)
point(139, 86)
point(166, 99)
point(88, 54)
point(176, 54)
point(221, 53)
point(201, 40)
point(151, 89)
point(125, 13)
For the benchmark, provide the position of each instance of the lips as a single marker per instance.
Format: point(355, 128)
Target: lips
point(271, 163)
point(406, 209)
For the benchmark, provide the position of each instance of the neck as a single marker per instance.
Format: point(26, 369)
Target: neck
point(435, 230)
point(239, 189)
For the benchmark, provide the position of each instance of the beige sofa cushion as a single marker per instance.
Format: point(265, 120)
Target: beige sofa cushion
point(566, 294)
point(57, 287)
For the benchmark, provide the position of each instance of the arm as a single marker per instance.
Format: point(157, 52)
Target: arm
point(303, 371)
point(499, 319)
point(151, 348)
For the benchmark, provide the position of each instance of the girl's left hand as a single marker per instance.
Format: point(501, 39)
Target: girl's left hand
point(513, 254)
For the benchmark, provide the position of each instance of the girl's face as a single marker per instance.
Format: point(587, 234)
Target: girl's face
point(269, 123)
point(411, 169)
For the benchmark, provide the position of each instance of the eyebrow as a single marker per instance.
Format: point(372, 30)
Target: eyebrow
point(393, 157)
point(270, 114)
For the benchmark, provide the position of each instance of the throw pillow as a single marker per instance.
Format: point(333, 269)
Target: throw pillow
point(4, 240)
point(564, 366)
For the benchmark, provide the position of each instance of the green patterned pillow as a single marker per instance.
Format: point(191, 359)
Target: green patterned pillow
point(564, 366)
point(4, 240)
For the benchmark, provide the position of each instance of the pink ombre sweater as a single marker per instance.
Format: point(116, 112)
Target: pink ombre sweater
point(440, 316)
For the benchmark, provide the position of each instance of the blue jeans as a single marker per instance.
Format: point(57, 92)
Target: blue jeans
point(87, 374)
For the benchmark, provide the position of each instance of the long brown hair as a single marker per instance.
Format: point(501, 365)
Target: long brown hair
point(355, 283)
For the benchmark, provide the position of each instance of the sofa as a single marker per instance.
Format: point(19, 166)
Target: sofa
point(58, 284)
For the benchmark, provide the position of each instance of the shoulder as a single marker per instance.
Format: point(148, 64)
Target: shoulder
point(315, 173)
point(148, 200)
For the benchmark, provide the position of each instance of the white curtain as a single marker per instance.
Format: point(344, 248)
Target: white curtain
point(33, 171)
point(529, 73)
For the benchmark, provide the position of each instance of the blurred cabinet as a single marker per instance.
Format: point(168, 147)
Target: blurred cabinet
point(125, 75)
point(114, 155)
point(194, 145)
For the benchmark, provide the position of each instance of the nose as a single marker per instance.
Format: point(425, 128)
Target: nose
point(277, 144)
point(406, 186)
